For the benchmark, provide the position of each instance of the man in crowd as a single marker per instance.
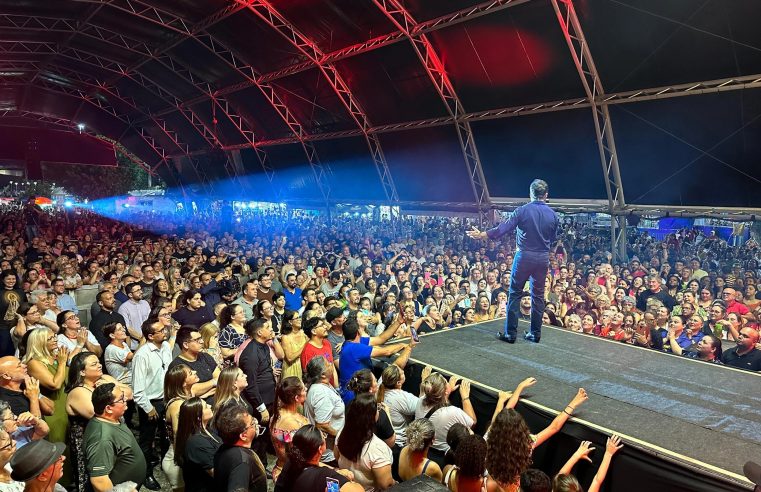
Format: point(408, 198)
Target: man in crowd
point(149, 366)
point(135, 311)
point(655, 290)
point(192, 355)
point(113, 454)
point(105, 315)
point(247, 299)
point(21, 391)
point(745, 355)
point(63, 300)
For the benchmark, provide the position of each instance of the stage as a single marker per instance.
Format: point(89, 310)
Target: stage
point(703, 418)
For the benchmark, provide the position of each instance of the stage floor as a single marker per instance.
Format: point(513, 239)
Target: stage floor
point(705, 415)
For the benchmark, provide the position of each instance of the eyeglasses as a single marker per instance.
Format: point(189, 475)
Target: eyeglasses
point(199, 340)
point(7, 446)
point(166, 315)
point(123, 399)
point(69, 318)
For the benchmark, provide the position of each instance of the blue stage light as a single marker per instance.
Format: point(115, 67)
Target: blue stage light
point(68, 204)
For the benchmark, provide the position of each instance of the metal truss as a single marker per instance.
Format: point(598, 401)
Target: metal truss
point(265, 11)
point(103, 105)
point(434, 67)
point(99, 86)
point(435, 24)
point(590, 79)
point(53, 121)
point(224, 106)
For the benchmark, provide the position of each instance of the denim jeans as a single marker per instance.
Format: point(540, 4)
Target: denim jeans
point(529, 266)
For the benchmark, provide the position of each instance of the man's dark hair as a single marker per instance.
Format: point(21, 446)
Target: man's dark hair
point(309, 325)
point(230, 421)
point(305, 292)
point(99, 296)
point(539, 188)
point(533, 480)
point(254, 325)
point(350, 329)
point(102, 396)
point(184, 334)
point(131, 287)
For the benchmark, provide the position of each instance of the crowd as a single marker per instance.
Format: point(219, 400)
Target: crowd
point(214, 344)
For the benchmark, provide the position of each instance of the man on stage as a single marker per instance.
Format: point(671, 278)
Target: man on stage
point(537, 226)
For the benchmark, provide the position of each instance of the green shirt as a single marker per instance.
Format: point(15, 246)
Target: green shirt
point(112, 450)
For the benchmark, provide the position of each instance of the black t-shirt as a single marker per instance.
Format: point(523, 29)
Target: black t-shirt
point(102, 319)
point(237, 468)
point(197, 318)
point(198, 460)
point(310, 479)
point(750, 361)
point(383, 427)
point(204, 366)
point(16, 400)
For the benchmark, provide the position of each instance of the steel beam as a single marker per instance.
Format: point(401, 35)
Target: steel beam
point(434, 67)
point(590, 79)
point(95, 86)
point(265, 11)
point(444, 21)
point(101, 104)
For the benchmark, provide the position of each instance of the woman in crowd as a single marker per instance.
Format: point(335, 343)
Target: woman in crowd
point(413, 459)
point(29, 317)
point(565, 482)
point(231, 383)
point(434, 405)
point(233, 334)
point(210, 334)
point(706, 298)
point(508, 449)
point(293, 341)
point(7, 450)
point(468, 472)
point(573, 322)
point(85, 373)
point(286, 419)
point(363, 381)
point(401, 404)
point(707, 349)
point(160, 290)
point(118, 356)
point(278, 311)
point(324, 407)
point(483, 310)
point(47, 363)
point(359, 450)
point(303, 470)
point(195, 446)
point(178, 384)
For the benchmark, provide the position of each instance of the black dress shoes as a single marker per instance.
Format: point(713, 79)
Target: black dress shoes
point(502, 337)
point(530, 337)
point(151, 483)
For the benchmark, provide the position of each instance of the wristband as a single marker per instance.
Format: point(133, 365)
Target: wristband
point(567, 413)
point(466, 399)
point(261, 408)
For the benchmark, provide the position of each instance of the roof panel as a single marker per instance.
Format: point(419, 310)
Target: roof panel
point(509, 58)
point(118, 21)
point(698, 150)
point(204, 63)
point(190, 10)
point(392, 85)
point(160, 75)
point(427, 164)
point(351, 168)
point(52, 10)
point(334, 24)
point(254, 107)
point(292, 172)
point(639, 44)
point(559, 147)
point(423, 10)
point(218, 123)
point(314, 102)
point(255, 42)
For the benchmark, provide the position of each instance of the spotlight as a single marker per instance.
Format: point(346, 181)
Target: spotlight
point(243, 205)
point(237, 219)
point(68, 204)
point(81, 127)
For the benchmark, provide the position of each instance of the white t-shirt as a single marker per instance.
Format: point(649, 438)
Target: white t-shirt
point(115, 365)
point(375, 454)
point(401, 407)
point(72, 344)
point(442, 419)
point(324, 404)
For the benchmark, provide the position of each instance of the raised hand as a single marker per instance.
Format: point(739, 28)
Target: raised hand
point(527, 383)
point(583, 452)
point(613, 445)
point(476, 234)
point(581, 397)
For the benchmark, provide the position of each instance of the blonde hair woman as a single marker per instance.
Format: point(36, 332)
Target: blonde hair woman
point(178, 384)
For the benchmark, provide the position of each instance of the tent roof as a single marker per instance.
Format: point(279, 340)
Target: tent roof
point(202, 90)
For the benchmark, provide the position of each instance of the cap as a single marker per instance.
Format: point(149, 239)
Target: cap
point(34, 458)
point(333, 313)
